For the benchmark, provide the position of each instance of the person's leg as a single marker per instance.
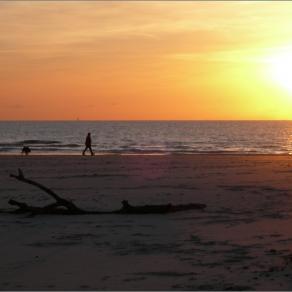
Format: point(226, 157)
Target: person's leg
point(83, 153)
point(91, 151)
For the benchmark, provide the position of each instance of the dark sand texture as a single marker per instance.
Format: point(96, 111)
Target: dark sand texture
point(242, 241)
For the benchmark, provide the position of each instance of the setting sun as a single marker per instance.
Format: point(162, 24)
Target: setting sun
point(281, 68)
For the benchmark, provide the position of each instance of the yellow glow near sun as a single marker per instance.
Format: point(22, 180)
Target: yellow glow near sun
point(280, 67)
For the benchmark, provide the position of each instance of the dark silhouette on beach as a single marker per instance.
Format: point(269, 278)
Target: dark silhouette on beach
point(88, 145)
point(25, 150)
point(69, 208)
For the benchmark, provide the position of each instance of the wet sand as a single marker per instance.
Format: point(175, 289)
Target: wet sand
point(242, 241)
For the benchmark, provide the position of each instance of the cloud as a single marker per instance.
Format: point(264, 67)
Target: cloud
point(13, 106)
point(64, 35)
point(243, 55)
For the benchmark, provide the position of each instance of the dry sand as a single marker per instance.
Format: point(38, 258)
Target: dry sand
point(243, 240)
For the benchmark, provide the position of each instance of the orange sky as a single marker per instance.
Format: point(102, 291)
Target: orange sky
point(145, 60)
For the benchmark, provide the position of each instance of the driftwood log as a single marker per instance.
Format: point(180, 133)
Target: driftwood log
point(65, 207)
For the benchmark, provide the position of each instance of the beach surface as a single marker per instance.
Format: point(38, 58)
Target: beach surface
point(242, 241)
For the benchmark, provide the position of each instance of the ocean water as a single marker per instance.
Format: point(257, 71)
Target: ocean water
point(148, 137)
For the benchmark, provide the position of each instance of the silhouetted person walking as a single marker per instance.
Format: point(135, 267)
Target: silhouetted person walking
point(88, 145)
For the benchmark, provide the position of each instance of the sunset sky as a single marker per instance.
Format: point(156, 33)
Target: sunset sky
point(137, 60)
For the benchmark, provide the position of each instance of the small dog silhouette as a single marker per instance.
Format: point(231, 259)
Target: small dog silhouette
point(25, 150)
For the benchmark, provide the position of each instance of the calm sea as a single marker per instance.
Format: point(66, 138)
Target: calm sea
point(150, 137)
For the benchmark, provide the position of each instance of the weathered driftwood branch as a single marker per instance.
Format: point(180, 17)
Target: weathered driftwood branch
point(65, 207)
point(60, 202)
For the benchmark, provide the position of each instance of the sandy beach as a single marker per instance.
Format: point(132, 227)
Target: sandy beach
point(242, 241)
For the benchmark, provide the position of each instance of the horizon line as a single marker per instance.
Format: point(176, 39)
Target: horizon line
point(153, 120)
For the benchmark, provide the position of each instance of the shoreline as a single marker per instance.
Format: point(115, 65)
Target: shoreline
point(143, 154)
